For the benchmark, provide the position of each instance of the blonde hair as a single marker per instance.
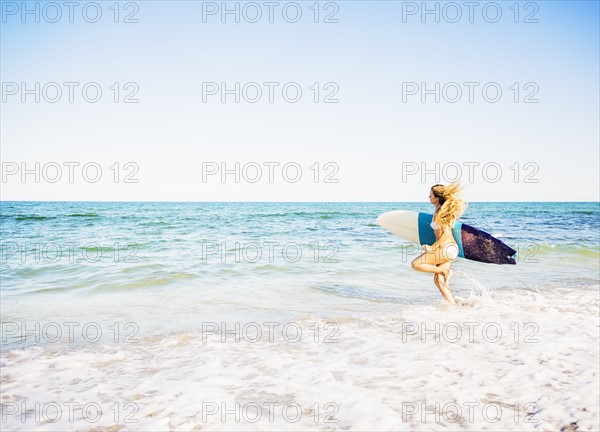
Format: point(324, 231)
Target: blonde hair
point(451, 205)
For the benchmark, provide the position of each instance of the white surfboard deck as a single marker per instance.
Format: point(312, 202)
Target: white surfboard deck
point(403, 223)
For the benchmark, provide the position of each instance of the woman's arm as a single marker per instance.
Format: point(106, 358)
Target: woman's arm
point(428, 248)
point(444, 233)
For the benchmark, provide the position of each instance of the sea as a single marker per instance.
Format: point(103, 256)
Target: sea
point(293, 316)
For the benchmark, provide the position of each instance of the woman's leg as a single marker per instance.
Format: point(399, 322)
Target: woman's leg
point(442, 283)
point(439, 281)
point(427, 263)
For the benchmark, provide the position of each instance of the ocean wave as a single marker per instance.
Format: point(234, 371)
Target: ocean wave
point(311, 214)
point(585, 212)
point(357, 293)
point(90, 215)
point(153, 224)
point(152, 280)
point(32, 217)
point(557, 249)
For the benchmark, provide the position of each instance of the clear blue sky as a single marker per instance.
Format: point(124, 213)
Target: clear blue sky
point(377, 143)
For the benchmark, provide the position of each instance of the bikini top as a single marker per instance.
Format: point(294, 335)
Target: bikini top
point(434, 224)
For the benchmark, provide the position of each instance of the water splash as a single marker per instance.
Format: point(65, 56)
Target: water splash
point(483, 294)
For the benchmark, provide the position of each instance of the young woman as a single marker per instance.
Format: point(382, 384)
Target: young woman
point(437, 257)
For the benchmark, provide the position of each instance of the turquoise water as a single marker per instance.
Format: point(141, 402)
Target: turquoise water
point(164, 265)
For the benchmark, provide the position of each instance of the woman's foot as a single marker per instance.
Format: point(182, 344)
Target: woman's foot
point(444, 290)
point(448, 295)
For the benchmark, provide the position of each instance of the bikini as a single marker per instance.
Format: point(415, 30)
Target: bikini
point(449, 250)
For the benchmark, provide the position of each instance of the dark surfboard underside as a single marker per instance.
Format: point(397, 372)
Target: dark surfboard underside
point(479, 246)
point(473, 244)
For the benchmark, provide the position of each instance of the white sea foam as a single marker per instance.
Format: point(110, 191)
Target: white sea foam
point(376, 374)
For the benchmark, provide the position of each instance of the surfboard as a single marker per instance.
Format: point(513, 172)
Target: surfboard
point(473, 244)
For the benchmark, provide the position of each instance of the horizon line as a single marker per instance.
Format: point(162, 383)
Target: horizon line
point(276, 202)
